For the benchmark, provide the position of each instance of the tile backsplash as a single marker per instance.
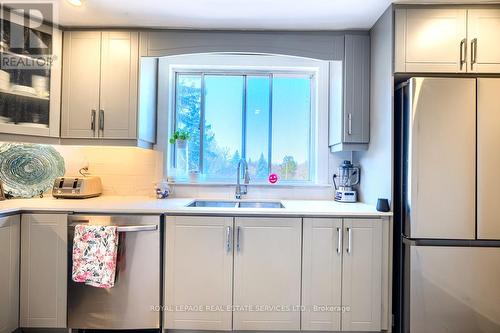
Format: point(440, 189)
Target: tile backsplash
point(123, 170)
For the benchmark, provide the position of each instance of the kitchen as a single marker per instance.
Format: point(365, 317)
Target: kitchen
point(319, 167)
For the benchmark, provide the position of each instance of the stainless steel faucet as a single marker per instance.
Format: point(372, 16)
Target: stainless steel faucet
point(242, 189)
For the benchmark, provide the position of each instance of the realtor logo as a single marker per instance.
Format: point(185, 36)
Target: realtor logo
point(26, 35)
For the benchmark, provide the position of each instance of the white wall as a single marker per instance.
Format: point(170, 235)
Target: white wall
point(376, 163)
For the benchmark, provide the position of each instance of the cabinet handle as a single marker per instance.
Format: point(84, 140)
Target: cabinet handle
point(228, 239)
point(238, 248)
point(473, 52)
point(349, 240)
point(349, 125)
point(101, 121)
point(92, 120)
point(463, 52)
point(339, 241)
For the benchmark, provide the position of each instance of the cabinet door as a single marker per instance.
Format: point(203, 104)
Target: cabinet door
point(483, 28)
point(267, 274)
point(488, 159)
point(362, 275)
point(43, 270)
point(9, 274)
point(357, 89)
point(429, 40)
point(80, 89)
point(119, 75)
point(321, 274)
point(199, 272)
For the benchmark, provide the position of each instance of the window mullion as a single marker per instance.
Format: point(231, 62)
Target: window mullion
point(244, 119)
point(270, 136)
point(173, 151)
point(202, 122)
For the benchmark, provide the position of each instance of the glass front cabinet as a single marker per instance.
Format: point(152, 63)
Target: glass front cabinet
point(30, 76)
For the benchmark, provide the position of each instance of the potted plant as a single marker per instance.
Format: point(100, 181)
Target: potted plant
point(180, 138)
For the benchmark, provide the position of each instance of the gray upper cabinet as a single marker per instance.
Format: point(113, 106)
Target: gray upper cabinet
point(446, 40)
point(119, 81)
point(430, 40)
point(81, 76)
point(100, 86)
point(350, 96)
point(9, 273)
point(43, 271)
point(483, 26)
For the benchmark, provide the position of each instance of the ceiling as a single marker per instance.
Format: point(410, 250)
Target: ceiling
point(226, 14)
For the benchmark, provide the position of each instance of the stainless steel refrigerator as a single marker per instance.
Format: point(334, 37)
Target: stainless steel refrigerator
point(447, 205)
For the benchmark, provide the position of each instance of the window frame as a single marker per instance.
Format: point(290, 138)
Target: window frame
point(244, 74)
point(319, 153)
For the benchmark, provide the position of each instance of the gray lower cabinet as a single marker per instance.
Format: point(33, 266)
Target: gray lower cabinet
point(43, 271)
point(267, 257)
point(198, 272)
point(322, 274)
point(342, 274)
point(225, 273)
point(9, 273)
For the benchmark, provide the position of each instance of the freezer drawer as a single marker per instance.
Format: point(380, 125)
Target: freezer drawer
point(453, 289)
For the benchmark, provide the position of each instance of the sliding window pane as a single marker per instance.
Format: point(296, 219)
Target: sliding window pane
point(187, 111)
point(257, 126)
point(291, 122)
point(222, 139)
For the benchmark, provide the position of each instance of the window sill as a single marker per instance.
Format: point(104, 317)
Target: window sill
point(279, 185)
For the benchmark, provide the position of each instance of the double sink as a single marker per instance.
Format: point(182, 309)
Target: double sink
point(235, 204)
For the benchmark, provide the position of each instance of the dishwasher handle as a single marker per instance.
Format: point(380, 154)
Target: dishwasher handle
point(129, 228)
point(137, 228)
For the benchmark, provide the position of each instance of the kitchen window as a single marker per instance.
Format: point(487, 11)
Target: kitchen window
point(262, 116)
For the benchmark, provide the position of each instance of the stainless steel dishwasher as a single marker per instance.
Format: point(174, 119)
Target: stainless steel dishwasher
point(133, 303)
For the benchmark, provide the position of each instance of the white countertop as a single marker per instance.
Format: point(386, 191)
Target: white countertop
point(150, 205)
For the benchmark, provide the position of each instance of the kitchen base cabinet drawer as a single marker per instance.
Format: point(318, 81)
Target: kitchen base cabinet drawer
point(43, 271)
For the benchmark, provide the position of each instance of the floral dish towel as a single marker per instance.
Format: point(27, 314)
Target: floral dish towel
point(94, 255)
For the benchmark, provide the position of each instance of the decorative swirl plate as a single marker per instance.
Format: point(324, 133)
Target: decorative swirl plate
point(29, 170)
